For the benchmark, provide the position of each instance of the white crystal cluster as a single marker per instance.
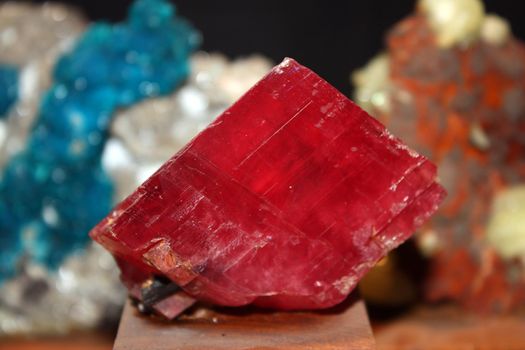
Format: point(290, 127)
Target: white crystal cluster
point(31, 38)
point(146, 135)
point(83, 293)
point(28, 31)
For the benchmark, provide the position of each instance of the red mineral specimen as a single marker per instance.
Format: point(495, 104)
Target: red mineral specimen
point(285, 201)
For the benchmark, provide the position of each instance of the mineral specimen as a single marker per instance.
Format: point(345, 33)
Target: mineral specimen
point(84, 292)
point(452, 85)
point(8, 87)
point(285, 201)
point(55, 190)
point(32, 38)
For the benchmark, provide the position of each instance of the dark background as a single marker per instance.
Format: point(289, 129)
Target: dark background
point(331, 37)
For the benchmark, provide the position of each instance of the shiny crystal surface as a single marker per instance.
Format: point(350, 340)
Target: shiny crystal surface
point(285, 201)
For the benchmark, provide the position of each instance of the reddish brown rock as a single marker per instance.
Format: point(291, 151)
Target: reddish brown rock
point(463, 107)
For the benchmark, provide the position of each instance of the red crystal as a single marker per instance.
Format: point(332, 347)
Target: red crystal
point(285, 201)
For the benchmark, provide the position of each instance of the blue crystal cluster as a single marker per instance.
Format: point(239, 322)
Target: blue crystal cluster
point(8, 88)
point(56, 190)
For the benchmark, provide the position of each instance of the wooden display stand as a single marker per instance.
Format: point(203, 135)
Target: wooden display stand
point(450, 328)
point(344, 327)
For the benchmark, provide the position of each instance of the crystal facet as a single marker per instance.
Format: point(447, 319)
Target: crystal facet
point(285, 201)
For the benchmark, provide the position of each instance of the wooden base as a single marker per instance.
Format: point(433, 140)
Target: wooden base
point(344, 327)
point(450, 328)
point(74, 341)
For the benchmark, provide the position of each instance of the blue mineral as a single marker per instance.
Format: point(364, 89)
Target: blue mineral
point(53, 192)
point(8, 87)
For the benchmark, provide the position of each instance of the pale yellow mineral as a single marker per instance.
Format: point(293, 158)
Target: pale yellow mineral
point(372, 84)
point(506, 228)
point(495, 30)
point(455, 22)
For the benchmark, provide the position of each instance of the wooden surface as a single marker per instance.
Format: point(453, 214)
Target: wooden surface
point(449, 328)
point(345, 327)
point(443, 328)
point(93, 341)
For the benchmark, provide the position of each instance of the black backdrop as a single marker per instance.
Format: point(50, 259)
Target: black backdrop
point(331, 37)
